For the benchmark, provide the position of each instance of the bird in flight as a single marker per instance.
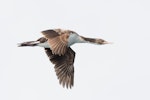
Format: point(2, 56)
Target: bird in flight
point(56, 43)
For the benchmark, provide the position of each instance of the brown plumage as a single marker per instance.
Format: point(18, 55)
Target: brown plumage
point(58, 41)
point(57, 44)
point(64, 67)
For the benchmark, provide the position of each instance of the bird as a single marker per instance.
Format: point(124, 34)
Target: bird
point(57, 44)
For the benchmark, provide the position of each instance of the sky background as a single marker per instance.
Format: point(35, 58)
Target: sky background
point(119, 71)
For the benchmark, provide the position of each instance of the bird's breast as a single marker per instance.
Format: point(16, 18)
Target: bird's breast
point(74, 38)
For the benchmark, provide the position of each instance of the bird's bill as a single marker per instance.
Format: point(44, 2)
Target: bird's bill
point(106, 42)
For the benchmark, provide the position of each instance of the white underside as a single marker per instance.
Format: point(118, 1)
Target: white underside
point(73, 38)
point(45, 45)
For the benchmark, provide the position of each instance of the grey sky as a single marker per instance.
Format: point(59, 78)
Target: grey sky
point(109, 72)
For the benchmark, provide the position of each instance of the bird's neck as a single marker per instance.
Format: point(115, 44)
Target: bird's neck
point(75, 38)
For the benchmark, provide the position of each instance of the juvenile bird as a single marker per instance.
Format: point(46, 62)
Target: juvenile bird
point(56, 43)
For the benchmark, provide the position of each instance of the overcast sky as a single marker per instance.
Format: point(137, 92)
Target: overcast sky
point(120, 71)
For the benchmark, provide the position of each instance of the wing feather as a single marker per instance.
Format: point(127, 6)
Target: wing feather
point(50, 33)
point(64, 67)
point(58, 41)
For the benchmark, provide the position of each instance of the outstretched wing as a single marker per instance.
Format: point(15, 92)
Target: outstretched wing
point(58, 42)
point(50, 34)
point(64, 67)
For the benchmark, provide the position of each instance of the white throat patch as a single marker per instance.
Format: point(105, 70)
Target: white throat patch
point(74, 38)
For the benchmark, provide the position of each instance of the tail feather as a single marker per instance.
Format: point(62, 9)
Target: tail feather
point(30, 43)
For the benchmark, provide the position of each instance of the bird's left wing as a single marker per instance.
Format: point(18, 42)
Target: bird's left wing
point(57, 41)
point(50, 33)
point(64, 67)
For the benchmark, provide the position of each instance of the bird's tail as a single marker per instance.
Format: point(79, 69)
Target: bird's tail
point(29, 43)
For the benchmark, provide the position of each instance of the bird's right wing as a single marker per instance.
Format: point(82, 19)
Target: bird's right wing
point(64, 67)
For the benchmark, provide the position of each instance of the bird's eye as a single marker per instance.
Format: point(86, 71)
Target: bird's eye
point(71, 32)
